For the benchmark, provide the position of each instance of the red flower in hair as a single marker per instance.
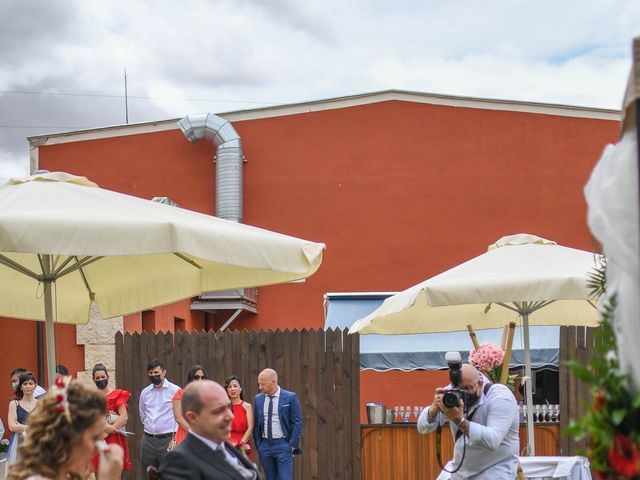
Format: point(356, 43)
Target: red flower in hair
point(624, 456)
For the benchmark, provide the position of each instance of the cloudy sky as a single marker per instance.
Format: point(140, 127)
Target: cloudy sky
point(62, 62)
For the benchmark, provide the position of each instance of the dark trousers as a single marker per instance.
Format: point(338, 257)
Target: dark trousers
point(152, 451)
point(276, 459)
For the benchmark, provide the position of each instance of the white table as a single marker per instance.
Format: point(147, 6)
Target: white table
point(547, 468)
point(570, 468)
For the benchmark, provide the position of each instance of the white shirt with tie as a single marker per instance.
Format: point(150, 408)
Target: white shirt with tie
point(276, 428)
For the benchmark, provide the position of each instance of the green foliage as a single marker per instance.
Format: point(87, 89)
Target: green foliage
point(612, 423)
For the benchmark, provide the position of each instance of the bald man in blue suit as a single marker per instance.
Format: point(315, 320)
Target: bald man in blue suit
point(278, 427)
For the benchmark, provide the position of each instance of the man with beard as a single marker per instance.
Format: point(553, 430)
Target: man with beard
point(489, 432)
point(156, 415)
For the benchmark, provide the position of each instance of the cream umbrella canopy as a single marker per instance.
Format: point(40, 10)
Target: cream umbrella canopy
point(520, 273)
point(72, 243)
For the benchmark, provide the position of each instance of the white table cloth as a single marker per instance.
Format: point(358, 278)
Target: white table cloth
point(546, 468)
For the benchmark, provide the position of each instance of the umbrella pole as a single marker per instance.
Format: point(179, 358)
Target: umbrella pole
point(48, 319)
point(531, 448)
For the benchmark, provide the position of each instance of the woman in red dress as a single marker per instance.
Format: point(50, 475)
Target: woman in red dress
point(242, 425)
point(116, 413)
point(197, 372)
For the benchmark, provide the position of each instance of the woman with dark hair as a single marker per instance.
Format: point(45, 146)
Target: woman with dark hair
point(64, 431)
point(116, 413)
point(19, 410)
point(242, 425)
point(197, 372)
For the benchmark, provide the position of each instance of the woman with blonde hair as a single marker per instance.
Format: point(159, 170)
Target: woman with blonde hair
point(64, 431)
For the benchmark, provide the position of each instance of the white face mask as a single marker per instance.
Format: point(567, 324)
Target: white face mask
point(14, 385)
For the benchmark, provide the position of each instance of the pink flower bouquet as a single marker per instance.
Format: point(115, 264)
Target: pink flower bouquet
point(487, 357)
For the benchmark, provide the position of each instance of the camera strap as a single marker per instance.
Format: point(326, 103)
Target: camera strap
point(485, 390)
point(470, 417)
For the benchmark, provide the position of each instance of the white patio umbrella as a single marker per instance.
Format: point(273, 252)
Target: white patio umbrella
point(65, 243)
point(520, 273)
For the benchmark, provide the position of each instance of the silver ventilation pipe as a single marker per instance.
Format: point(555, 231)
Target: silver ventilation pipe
point(228, 159)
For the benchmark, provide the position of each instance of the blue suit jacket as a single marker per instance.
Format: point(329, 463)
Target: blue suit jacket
point(290, 419)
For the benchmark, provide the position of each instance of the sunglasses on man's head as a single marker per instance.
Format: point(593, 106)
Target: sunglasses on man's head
point(199, 377)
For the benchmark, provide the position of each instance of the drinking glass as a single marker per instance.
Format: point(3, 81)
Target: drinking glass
point(416, 412)
point(537, 413)
point(407, 413)
point(544, 413)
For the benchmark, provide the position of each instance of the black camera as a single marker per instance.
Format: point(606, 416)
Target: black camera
point(453, 396)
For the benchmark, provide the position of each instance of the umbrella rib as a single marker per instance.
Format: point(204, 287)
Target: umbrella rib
point(78, 265)
point(64, 264)
point(540, 304)
point(188, 260)
point(16, 266)
point(502, 304)
point(92, 294)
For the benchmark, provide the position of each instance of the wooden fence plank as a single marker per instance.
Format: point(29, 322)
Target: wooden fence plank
point(329, 403)
point(338, 395)
point(212, 354)
point(356, 438)
point(310, 408)
point(322, 410)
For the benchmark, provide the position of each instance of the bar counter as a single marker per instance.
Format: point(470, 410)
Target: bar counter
point(397, 451)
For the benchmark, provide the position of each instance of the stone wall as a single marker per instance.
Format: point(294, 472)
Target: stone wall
point(98, 338)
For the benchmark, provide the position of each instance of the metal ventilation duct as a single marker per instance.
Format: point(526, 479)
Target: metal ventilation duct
point(228, 158)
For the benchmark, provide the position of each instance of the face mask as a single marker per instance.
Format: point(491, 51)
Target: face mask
point(101, 384)
point(155, 379)
point(471, 400)
point(14, 385)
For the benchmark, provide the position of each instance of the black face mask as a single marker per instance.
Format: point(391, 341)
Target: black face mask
point(155, 379)
point(471, 400)
point(101, 384)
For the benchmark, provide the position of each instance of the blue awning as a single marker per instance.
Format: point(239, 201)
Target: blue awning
point(427, 351)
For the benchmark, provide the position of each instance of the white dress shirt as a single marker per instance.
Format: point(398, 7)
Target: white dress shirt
point(275, 425)
point(39, 392)
point(232, 459)
point(492, 439)
point(156, 408)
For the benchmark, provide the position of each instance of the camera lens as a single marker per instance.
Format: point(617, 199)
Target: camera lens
point(451, 399)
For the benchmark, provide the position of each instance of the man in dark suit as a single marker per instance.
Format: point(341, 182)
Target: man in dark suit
point(204, 454)
point(278, 427)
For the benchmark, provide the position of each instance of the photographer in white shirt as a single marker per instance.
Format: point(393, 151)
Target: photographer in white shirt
point(490, 428)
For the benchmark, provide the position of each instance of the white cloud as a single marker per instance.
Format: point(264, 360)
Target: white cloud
point(243, 53)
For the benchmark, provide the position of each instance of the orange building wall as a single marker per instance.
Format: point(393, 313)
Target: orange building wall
point(163, 319)
point(399, 191)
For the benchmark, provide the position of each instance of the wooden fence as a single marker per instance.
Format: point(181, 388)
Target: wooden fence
point(322, 367)
point(576, 343)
